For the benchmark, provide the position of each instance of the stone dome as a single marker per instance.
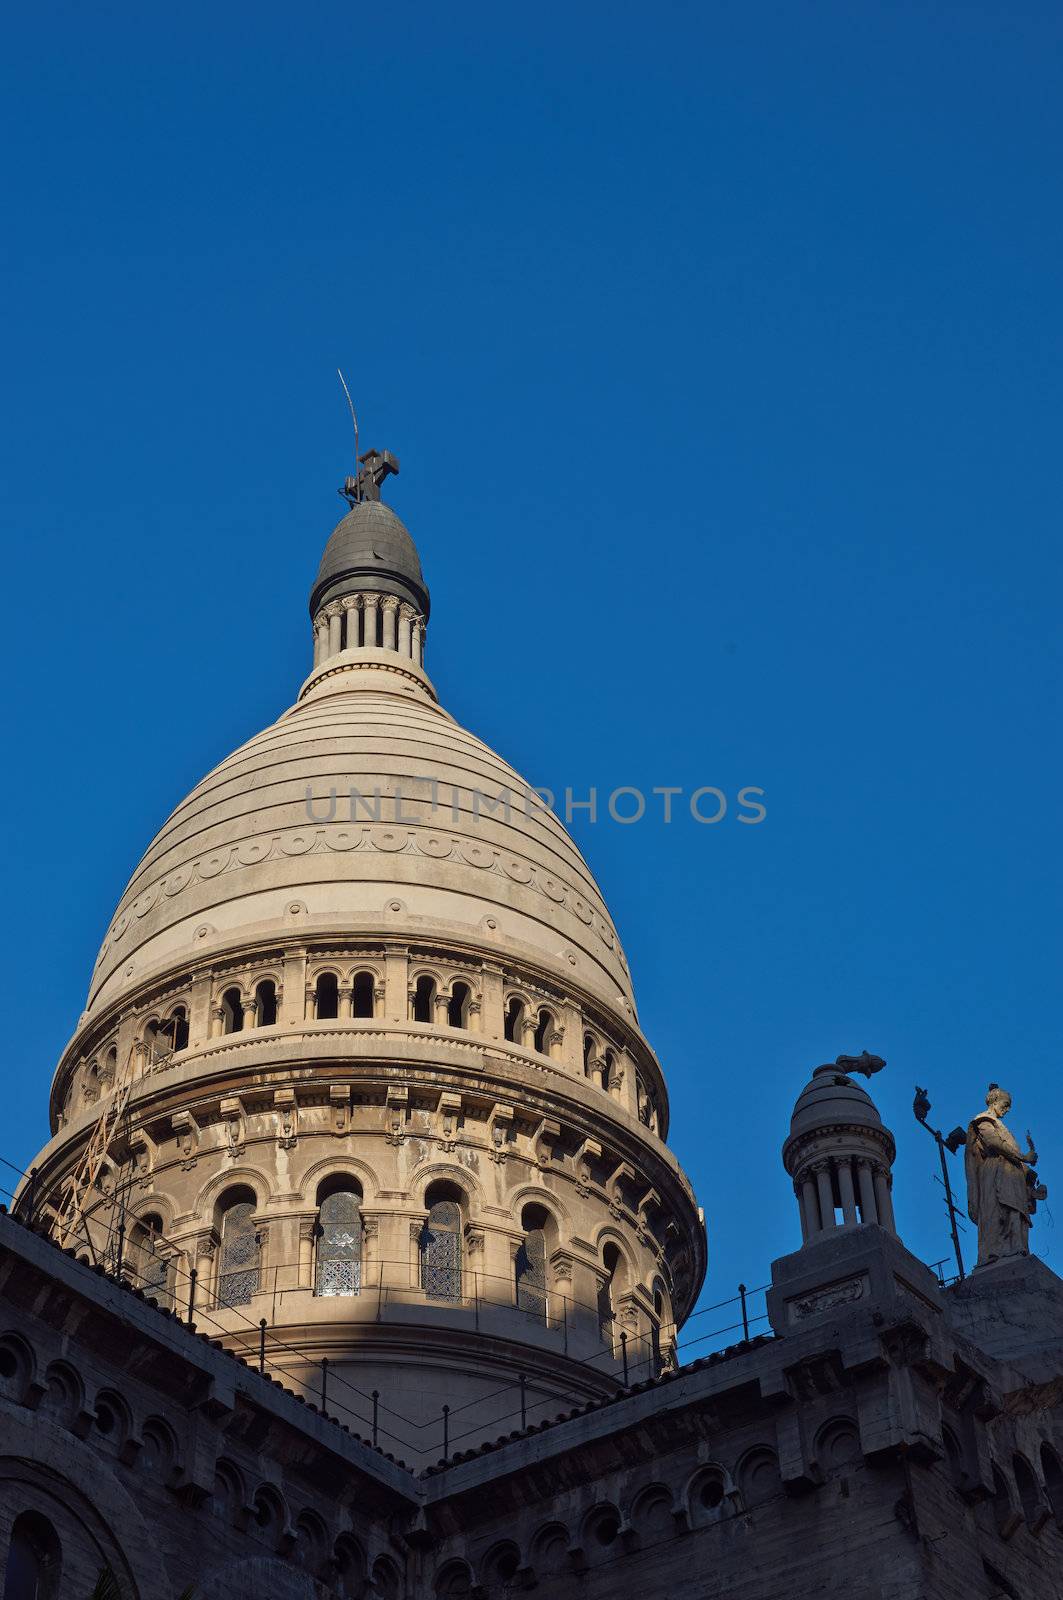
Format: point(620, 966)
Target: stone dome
point(370, 549)
point(269, 843)
point(832, 1099)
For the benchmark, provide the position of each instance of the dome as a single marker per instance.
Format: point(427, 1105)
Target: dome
point(363, 807)
point(832, 1100)
point(370, 549)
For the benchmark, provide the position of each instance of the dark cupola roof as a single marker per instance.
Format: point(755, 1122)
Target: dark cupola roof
point(370, 551)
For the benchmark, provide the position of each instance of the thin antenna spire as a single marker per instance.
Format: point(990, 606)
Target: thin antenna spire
point(354, 418)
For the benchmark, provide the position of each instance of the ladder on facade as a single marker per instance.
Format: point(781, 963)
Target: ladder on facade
point(70, 1227)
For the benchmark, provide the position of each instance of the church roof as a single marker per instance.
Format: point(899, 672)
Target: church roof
point(370, 550)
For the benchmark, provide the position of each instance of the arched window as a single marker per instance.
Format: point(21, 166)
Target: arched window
point(327, 996)
point(544, 1032)
point(34, 1559)
point(531, 1263)
point(610, 1265)
point(589, 1052)
point(232, 1010)
point(454, 1582)
point(608, 1069)
point(1004, 1513)
point(339, 1242)
point(266, 1004)
point(424, 998)
point(512, 1027)
point(238, 1267)
point(179, 1019)
point(150, 1265)
point(362, 994)
point(657, 1334)
point(441, 1243)
point(1053, 1476)
point(458, 1005)
point(1029, 1494)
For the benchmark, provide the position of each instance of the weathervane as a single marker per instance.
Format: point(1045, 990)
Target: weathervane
point(373, 467)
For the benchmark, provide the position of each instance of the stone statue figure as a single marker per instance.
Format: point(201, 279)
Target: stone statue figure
point(1002, 1187)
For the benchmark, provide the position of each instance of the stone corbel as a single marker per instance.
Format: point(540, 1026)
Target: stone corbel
point(339, 1095)
point(562, 1264)
point(590, 1150)
point(474, 1238)
point(651, 1201)
point(398, 1101)
point(545, 1140)
point(188, 1134)
point(500, 1123)
point(145, 1151)
point(287, 1108)
point(624, 1173)
point(234, 1123)
point(449, 1112)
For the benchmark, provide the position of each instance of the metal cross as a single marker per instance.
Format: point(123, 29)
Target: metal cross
point(373, 467)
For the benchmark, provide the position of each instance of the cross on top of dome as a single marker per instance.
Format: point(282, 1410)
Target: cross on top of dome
point(373, 467)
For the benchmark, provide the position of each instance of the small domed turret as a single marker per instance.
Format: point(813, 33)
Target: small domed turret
point(839, 1153)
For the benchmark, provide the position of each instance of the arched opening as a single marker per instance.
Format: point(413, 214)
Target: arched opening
point(513, 1025)
point(661, 1330)
point(544, 1031)
point(500, 1567)
point(232, 1011)
point(1003, 1511)
point(441, 1242)
point(530, 1262)
point(149, 1262)
point(708, 1497)
point(349, 1560)
point(424, 998)
point(34, 1559)
point(606, 1291)
point(339, 1237)
point(362, 1004)
point(458, 1005)
point(1053, 1476)
point(326, 996)
point(608, 1070)
point(453, 1582)
point(1029, 1494)
point(266, 1004)
point(590, 1051)
point(600, 1533)
point(238, 1265)
point(166, 1038)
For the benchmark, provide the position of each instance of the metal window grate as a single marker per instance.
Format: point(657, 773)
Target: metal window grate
point(339, 1245)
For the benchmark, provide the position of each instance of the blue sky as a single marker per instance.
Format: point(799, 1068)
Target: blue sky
point(722, 348)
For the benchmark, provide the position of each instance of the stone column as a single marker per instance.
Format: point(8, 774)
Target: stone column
point(806, 1194)
point(350, 607)
point(319, 641)
point(826, 1194)
point(369, 611)
point(867, 1190)
point(217, 1021)
point(845, 1185)
point(345, 1005)
point(390, 608)
point(335, 623)
point(417, 641)
point(884, 1200)
point(250, 1013)
point(406, 614)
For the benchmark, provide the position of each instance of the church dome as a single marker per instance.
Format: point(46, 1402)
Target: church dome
point(364, 806)
point(370, 549)
point(832, 1099)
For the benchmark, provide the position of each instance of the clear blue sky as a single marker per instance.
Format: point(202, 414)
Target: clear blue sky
point(722, 348)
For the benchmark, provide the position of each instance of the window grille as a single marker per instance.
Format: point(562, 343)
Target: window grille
point(339, 1245)
point(531, 1274)
point(441, 1252)
point(239, 1272)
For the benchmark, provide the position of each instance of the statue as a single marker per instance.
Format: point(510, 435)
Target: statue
point(1002, 1186)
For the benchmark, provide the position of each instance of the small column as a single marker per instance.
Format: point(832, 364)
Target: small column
point(319, 641)
point(350, 607)
point(806, 1200)
point(418, 641)
point(406, 614)
point(217, 1021)
point(345, 1000)
point(826, 1194)
point(390, 608)
point(250, 1013)
point(335, 624)
point(369, 611)
point(884, 1201)
point(867, 1190)
point(845, 1187)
